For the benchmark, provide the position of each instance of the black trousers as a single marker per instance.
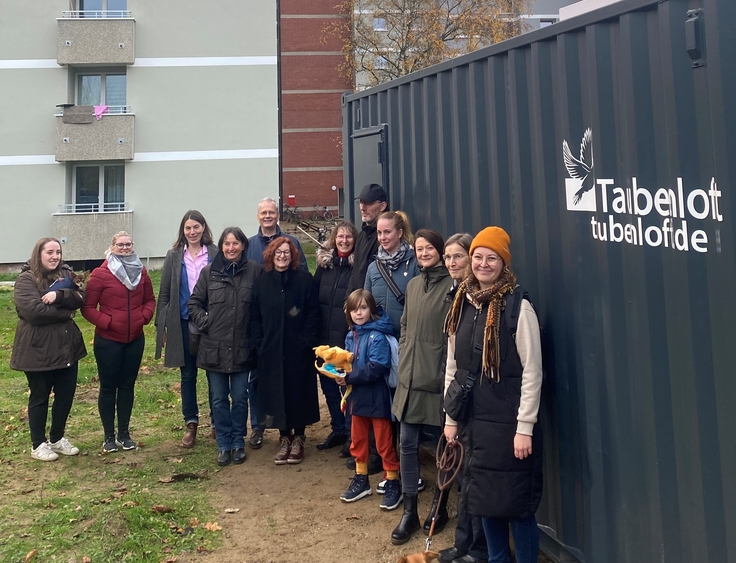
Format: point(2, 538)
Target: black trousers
point(63, 382)
point(117, 368)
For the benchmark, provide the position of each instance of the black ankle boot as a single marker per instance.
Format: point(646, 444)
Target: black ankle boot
point(439, 506)
point(409, 521)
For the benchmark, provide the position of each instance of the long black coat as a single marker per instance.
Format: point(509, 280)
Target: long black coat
point(284, 325)
point(331, 282)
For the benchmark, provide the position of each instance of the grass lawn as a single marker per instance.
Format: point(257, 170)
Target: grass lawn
point(145, 505)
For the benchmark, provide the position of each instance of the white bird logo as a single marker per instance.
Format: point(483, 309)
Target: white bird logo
point(578, 168)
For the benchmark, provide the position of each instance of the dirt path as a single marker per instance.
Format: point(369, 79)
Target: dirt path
point(291, 514)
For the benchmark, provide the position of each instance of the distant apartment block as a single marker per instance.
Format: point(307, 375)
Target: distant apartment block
point(121, 115)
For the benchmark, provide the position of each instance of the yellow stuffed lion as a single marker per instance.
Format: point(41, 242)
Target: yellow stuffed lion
point(336, 363)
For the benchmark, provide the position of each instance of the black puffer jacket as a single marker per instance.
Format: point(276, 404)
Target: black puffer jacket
point(331, 283)
point(47, 337)
point(495, 482)
point(220, 308)
point(366, 247)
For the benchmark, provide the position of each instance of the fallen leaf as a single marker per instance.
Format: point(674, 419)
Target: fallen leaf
point(62, 494)
point(174, 459)
point(26, 491)
point(129, 504)
point(231, 510)
point(161, 509)
point(86, 559)
point(31, 555)
point(167, 549)
point(176, 477)
point(176, 387)
point(194, 522)
point(212, 527)
point(202, 549)
point(9, 428)
point(78, 509)
point(169, 560)
point(118, 495)
point(353, 517)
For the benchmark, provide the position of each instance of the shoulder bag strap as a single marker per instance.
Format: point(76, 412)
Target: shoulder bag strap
point(390, 282)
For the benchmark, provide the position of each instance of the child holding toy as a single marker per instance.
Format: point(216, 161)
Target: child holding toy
point(369, 403)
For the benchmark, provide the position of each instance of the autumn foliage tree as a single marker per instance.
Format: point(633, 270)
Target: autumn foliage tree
point(386, 39)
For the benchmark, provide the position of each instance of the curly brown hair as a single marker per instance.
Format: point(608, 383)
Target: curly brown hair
point(270, 253)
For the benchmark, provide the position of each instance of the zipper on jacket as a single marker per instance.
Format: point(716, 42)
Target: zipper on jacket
point(128, 315)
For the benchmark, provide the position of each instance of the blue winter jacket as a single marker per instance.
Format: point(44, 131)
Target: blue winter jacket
point(382, 294)
point(370, 396)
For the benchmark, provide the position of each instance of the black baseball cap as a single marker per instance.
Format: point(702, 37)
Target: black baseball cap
point(371, 193)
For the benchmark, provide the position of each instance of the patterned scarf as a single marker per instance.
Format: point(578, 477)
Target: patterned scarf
point(494, 297)
point(392, 261)
point(127, 268)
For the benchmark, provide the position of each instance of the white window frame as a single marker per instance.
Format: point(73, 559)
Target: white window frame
point(101, 206)
point(377, 25)
point(103, 77)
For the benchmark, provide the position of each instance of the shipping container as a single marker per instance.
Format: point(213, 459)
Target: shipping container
point(606, 146)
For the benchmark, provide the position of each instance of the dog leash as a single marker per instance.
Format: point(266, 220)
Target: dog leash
point(449, 458)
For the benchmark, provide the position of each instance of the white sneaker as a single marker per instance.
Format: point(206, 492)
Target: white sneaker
point(44, 453)
point(63, 447)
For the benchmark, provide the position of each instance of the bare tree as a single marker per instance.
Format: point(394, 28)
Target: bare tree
point(385, 39)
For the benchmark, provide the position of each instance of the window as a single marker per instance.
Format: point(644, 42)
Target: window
point(102, 8)
point(380, 62)
point(545, 23)
point(380, 24)
point(99, 187)
point(102, 89)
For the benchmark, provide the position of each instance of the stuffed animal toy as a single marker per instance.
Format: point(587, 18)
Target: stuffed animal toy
point(336, 363)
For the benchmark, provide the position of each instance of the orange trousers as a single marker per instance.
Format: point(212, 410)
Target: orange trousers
point(359, 429)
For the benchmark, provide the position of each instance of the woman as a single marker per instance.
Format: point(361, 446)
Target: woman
point(48, 345)
point(191, 252)
point(502, 481)
point(418, 398)
point(219, 308)
point(334, 269)
point(119, 303)
point(284, 325)
point(395, 264)
point(469, 537)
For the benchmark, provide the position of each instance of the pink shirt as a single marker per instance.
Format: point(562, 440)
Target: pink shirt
point(194, 266)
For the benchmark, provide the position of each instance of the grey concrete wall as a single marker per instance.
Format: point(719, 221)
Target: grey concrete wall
point(86, 236)
point(99, 140)
point(227, 193)
point(204, 108)
point(225, 28)
point(96, 41)
point(28, 29)
point(27, 101)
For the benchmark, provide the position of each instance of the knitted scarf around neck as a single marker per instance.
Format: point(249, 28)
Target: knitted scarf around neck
point(493, 297)
point(127, 268)
point(392, 261)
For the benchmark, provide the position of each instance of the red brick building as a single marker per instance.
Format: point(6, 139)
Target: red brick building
point(311, 108)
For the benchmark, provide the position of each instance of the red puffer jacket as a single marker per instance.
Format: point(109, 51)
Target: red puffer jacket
point(122, 313)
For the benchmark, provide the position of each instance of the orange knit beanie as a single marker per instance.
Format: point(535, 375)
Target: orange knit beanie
point(496, 239)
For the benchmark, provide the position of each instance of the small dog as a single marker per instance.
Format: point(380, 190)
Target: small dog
point(425, 557)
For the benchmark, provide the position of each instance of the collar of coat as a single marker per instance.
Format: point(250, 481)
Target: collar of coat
point(266, 239)
point(327, 258)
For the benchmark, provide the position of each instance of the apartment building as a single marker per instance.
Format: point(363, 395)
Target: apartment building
point(123, 114)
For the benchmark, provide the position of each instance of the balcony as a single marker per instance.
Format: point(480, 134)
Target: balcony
point(96, 38)
point(81, 135)
point(86, 235)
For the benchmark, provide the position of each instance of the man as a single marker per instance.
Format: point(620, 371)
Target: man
point(268, 230)
point(268, 219)
point(373, 202)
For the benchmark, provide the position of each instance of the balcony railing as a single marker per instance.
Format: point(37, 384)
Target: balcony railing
point(111, 110)
point(65, 208)
point(95, 14)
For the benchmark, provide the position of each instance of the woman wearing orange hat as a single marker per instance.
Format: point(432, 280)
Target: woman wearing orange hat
point(494, 351)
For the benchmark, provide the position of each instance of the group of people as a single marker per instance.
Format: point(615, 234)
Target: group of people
point(249, 313)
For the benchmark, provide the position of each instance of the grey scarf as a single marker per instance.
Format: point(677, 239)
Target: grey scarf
point(127, 268)
point(392, 261)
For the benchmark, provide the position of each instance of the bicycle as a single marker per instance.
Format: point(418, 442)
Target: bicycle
point(290, 214)
point(324, 214)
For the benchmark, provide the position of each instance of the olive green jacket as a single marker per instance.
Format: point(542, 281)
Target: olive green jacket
point(422, 348)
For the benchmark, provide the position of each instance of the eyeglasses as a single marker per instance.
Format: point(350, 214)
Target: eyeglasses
point(282, 252)
point(454, 257)
point(479, 260)
point(124, 244)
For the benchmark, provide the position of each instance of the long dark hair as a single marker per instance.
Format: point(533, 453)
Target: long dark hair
point(41, 276)
point(194, 215)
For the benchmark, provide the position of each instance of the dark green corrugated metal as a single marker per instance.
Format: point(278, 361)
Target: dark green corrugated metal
point(640, 400)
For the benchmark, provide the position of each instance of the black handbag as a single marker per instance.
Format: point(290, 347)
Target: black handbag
point(459, 397)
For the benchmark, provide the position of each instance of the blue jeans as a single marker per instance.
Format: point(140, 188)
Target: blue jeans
point(526, 539)
point(331, 391)
point(189, 406)
point(252, 398)
point(229, 417)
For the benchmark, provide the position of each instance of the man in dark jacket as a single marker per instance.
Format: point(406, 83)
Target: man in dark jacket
point(373, 202)
point(268, 219)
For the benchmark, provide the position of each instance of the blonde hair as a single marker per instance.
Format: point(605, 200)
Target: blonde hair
point(115, 237)
point(400, 221)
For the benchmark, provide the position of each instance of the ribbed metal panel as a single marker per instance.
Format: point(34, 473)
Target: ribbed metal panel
point(640, 346)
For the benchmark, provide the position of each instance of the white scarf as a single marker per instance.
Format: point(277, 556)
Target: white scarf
point(127, 268)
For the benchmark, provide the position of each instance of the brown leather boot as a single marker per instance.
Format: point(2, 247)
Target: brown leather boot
point(190, 435)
